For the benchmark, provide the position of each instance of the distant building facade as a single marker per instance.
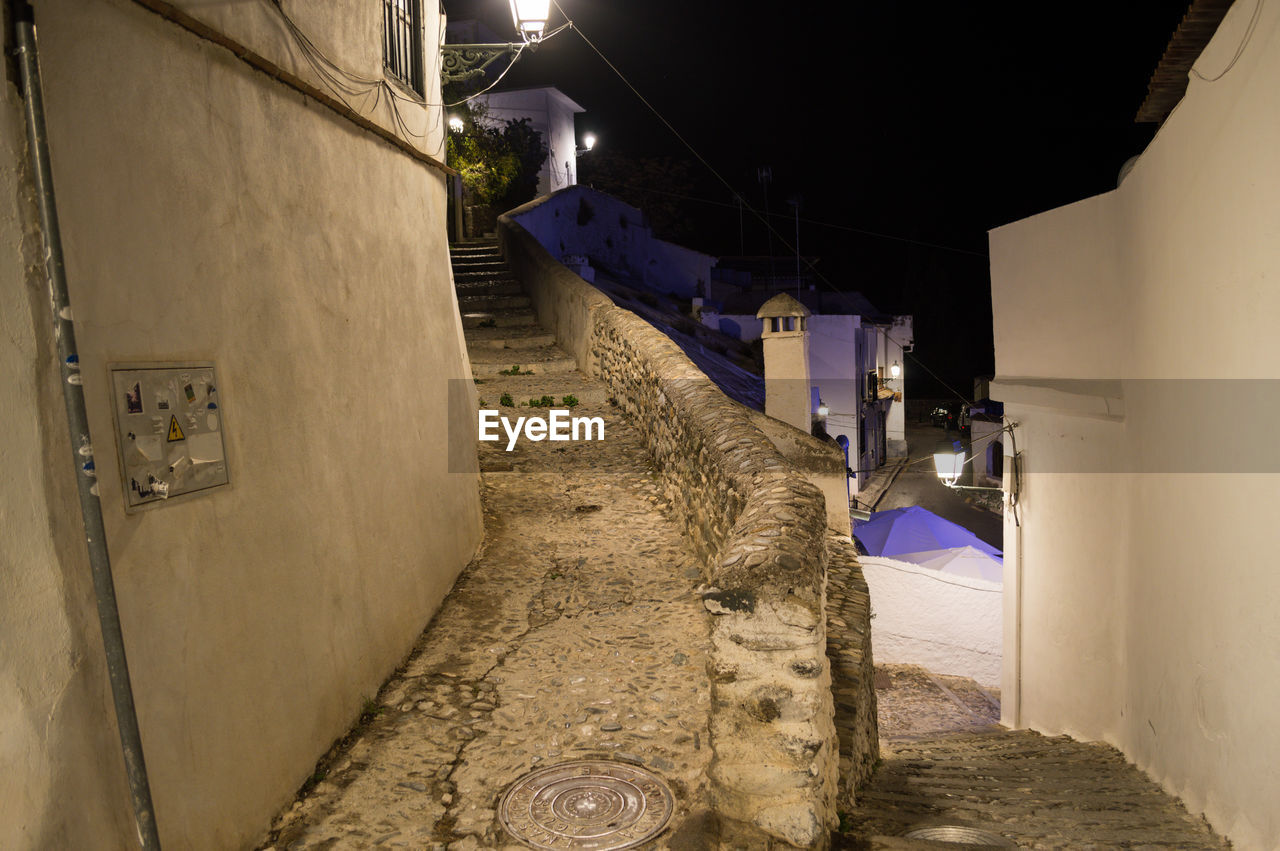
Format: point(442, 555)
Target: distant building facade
point(550, 112)
point(852, 350)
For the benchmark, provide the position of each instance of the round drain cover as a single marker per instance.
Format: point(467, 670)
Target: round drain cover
point(959, 834)
point(591, 804)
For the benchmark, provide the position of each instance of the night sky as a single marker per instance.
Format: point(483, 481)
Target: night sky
point(925, 123)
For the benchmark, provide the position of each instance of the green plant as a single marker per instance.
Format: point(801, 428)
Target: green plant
point(506, 401)
point(499, 161)
point(484, 404)
point(515, 370)
point(544, 402)
point(371, 710)
point(569, 401)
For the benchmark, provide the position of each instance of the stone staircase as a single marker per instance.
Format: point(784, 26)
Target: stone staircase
point(513, 357)
point(503, 335)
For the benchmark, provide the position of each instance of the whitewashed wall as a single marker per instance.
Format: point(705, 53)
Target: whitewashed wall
point(616, 238)
point(210, 213)
point(948, 624)
point(1146, 551)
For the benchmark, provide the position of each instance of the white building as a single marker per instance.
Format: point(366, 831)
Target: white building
point(851, 363)
point(220, 203)
point(551, 112)
point(588, 230)
point(1141, 572)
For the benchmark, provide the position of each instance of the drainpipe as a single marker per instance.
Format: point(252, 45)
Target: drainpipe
point(78, 420)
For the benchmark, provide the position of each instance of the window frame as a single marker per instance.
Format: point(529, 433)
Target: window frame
point(402, 44)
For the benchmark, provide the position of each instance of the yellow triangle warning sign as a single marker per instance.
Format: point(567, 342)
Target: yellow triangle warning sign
point(175, 430)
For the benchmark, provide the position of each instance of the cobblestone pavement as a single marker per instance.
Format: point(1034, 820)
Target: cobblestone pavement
point(947, 763)
point(576, 633)
point(917, 704)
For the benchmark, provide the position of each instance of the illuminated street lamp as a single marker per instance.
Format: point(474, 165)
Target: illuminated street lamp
point(895, 371)
point(530, 17)
point(948, 461)
point(460, 62)
point(588, 142)
point(455, 124)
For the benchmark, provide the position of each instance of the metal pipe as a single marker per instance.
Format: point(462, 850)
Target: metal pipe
point(78, 421)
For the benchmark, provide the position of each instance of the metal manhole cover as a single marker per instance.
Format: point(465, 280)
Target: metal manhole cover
point(590, 804)
point(959, 834)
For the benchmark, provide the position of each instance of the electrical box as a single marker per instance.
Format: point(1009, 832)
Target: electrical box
point(169, 431)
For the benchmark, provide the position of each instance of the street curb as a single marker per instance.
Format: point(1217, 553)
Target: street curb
point(893, 477)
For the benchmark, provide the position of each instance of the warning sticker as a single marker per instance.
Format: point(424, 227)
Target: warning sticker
point(175, 430)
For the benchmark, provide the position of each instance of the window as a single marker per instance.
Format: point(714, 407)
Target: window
point(402, 41)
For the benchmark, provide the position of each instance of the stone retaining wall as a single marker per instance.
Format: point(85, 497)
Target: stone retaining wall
point(852, 667)
point(761, 528)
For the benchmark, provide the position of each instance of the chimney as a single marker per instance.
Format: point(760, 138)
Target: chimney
point(786, 361)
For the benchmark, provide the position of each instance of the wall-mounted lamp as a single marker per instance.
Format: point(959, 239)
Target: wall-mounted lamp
point(588, 142)
point(895, 371)
point(530, 17)
point(455, 124)
point(460, 62)
point(823, 410)
point(949, 461)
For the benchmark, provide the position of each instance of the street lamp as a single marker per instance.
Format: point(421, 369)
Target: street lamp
point(895, 371)
point(588, 142)
point(455, 124)
point(949, 461)
point(461, 62)
point(530, 17)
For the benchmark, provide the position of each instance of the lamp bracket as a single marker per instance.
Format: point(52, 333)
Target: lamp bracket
point(460, 62)
point(956, 487)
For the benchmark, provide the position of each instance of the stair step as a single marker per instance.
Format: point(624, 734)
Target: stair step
point(469, 285)
point(473, 254)
point(484, 319)
point(475, 303)
point(545, 360)
point(592, 396)
point(488, 287)
point(509, 339)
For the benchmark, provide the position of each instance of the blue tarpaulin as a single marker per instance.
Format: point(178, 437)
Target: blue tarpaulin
point(914, 529)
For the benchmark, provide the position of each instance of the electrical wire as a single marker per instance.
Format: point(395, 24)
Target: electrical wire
point(1248, 34)
point(344, 84)
point(810, 265)
point(818, 222)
